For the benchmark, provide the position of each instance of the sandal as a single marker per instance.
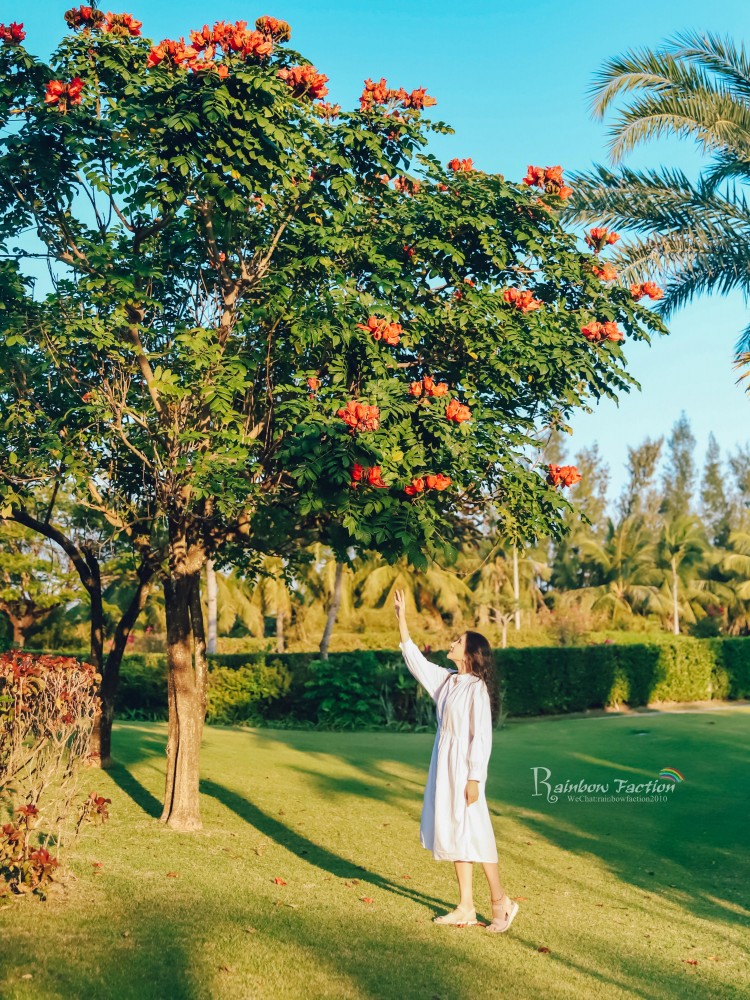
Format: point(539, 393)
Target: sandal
point(501, 924)
point(458, 918)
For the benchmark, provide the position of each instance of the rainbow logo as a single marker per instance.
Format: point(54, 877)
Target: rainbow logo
point(671, 774)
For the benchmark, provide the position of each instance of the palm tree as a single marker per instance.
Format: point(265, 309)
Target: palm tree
point(696, 236)
point(435, 590)
point(682, 550)
point(735, 563)
point(622, 566)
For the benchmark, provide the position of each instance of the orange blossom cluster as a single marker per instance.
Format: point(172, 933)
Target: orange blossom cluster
point(360, 416)
point(371, 476)
point(429, 387)
point(381, 329)
point(596, 332)
point(64, 95)
point(431, 482)
point(523, 300)
point(605, 271)
point(460, 166)
point(646, 288)
point(599, 237)
point(549, 179)
point(563, 475)
point(381, 93)
point(12, 33)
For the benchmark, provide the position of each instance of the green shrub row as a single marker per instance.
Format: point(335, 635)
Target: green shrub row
point(369, 688)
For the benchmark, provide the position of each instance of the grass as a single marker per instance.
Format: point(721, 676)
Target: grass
point(624, 895)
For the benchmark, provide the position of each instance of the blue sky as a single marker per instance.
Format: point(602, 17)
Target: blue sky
point(512, 79)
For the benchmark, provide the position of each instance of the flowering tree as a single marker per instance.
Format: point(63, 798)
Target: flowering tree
point(271, 316)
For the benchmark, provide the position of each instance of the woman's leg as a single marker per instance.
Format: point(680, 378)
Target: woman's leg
point(464, 913)
point(500, 902)
point(465, 876)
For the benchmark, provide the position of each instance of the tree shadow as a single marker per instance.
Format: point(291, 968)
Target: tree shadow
point(314, 854)
point(132, 787)
point(155, 960)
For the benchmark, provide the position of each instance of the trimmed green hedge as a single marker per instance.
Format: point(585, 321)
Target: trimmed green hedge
point(375, 688)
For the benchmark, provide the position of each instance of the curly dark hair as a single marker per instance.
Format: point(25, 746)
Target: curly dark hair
point(480, 661)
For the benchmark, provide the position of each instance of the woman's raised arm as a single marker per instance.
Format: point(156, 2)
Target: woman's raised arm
point(429, 675)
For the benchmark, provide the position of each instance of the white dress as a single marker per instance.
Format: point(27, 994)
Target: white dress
point(449, 828)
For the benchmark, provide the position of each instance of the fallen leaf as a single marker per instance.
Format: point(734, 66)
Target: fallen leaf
point(406, 876)
point(126, 934)
point(27, 975)
point(98, 864)
point(279, 881)
point(250, 930)
point(386, 824)
point(172, 875)
point(544, 949)
point(712, 958)
point(690, 961)
point(522, 899)
point(598, 904)
point(367, 899)
point(226, 968)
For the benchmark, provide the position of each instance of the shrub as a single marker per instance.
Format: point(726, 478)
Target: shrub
point(47, 709)
point(241, 694)
point(345, 692)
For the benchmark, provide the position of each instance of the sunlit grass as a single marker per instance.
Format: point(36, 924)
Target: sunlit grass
point(623, 895)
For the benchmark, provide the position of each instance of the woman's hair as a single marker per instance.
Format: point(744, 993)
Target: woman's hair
point(480, 661)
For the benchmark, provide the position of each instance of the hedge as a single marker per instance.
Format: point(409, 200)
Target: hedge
point(375, 688)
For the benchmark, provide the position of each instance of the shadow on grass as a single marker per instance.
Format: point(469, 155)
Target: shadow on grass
point(135, 790)
point(311, 852)
point(156, 960)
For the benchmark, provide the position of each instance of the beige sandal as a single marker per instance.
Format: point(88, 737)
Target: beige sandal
point(501, 924)
point(458, 918)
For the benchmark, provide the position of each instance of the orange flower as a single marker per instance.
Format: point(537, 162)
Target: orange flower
point(305, 81)
point(357, 473)
point(652, 290)
point(381, 93)
point(592, 331)
point(360, 416)
point(611, 331)
point(313, 383)
point(460, 166)
point(406, 186)
point(437, 482)
point(12, 34)
point(278, 30)
point(381, 329)
point(428, 384)
point(563, 475)
point(328, 111)
point(124, 25)
point(457, 412)
point(409, 251)
point(600, 237)
point(605, 271)
point(415, 389)
point(416, 486)
point(374, 478)
point(523, 300)
point(549, 179)
point(64, 95)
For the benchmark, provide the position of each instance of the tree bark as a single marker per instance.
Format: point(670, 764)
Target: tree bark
point(187, 673)
point(516, 589)
point(333, 611)
point(101, 737)
point(212, 595)
point(675, 601)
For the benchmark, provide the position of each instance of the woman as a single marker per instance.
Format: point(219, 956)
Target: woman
point(456, 824)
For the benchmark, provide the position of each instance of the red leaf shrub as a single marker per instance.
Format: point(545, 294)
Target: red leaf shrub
point(47, 710)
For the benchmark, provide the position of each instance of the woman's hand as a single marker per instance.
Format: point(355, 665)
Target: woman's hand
point(399, 600)
point(472, 792)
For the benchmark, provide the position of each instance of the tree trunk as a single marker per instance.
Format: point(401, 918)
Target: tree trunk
point(187, 673)
point(333, 611)
point(212, 594)
point(280, 643)
point(516, 589)
point(19, 632)
point(101, 738)
point(675, 600)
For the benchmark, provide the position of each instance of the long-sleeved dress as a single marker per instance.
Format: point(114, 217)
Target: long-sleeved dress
point(449, 828)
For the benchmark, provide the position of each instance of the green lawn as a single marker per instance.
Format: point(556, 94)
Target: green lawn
point(621, 894)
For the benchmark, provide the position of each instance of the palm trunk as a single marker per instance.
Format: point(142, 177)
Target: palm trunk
point(516, 589)
point(675, 599)
point(333, 611)
point(280, 644)
point(187, 674)
point(212, 594)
